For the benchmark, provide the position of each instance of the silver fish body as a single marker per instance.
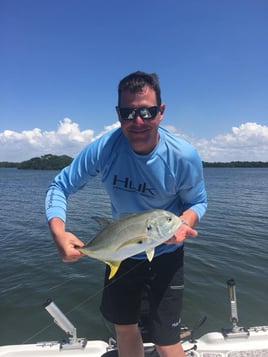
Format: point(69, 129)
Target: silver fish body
point(130, 235)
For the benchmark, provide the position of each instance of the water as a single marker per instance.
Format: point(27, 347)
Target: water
point(232, 243)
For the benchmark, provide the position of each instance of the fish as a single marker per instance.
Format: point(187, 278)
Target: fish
point(130, 235)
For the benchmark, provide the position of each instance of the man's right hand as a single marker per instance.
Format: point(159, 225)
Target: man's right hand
point(65, 241)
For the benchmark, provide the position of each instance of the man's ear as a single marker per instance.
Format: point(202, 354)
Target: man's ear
point(162, 108)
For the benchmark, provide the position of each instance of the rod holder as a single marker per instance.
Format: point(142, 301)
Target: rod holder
point(60, 319)
point(233, 302)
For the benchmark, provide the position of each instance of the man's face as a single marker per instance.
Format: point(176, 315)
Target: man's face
point(142, 134)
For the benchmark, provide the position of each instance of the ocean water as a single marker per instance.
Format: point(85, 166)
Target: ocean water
point(232, 243)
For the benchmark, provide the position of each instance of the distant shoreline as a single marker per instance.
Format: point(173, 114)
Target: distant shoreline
point(45, 162)
point(54, 162)
point(237, 164)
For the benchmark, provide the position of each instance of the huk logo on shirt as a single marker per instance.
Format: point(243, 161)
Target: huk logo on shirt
point(126, 184)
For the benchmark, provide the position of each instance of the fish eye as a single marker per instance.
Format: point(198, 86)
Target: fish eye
point(149, 228)
point(169, 219)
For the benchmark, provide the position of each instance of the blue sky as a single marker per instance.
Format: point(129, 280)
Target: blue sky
point(61, 61)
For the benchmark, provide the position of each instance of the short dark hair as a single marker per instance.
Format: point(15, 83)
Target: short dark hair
point(135, 81)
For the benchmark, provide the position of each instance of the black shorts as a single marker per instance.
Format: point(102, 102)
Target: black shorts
point(162, 281)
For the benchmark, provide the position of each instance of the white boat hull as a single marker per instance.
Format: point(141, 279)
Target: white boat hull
point(53, 349)
point(253, 342)
point(250, 343)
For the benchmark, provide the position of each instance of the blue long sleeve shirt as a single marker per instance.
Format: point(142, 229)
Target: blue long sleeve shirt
point(170, 177)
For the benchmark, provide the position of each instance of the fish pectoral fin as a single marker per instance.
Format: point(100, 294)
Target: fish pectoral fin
point(150, 254)
point(136, 240)
point(114, 266)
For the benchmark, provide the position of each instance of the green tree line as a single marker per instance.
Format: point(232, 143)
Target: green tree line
point(45, 162)
point(252, 164)
point(54, 162)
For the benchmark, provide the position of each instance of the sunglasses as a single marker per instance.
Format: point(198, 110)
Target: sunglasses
point(144, 112)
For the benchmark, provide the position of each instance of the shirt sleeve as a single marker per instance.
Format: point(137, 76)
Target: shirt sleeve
point(192, 190)
point(71, 179)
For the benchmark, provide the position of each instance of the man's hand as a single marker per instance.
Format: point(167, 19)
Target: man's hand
point(65, 241)
point(66, 246)
point(183, 232)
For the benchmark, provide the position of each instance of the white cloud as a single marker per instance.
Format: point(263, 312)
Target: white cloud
point(248, 142)
point(68, 139)
point(107, 128)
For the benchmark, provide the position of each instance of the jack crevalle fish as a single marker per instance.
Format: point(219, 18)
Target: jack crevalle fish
point(130, 235)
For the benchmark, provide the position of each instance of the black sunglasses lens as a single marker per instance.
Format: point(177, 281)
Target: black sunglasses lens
point(127, 113)
point(148, 113)
point(144, 113)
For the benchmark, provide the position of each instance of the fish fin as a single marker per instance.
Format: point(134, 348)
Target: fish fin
point(150, 254)
point(136, 240)
point(114, 266)
point(87, 245)
point(102, 221)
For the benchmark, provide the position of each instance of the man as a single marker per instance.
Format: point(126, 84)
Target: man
point(142, 166)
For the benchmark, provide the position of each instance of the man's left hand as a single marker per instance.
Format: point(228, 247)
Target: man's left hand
point(183, 232)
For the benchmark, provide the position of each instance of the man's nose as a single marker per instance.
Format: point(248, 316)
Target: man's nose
point(138, 119)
